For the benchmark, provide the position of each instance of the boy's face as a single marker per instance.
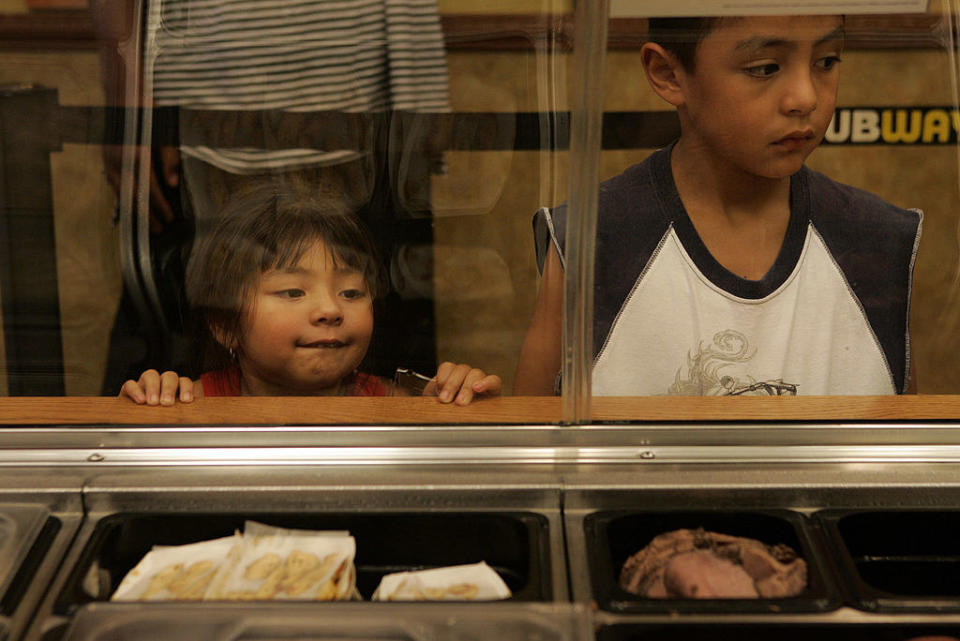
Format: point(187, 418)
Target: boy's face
point(309, 326)
point(763, 91)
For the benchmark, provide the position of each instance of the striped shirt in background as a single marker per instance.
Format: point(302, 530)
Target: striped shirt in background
point(354, 56)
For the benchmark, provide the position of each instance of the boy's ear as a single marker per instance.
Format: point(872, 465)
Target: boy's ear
point(664, 72)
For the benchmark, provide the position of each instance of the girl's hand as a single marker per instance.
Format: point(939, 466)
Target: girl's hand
point(155, 388)
point(459, 383)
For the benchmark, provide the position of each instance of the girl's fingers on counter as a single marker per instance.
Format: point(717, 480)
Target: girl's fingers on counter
point(452, 380)
point(489, 384)
point(169, 382)
point(132, 390)
point(186, 390)
point(154, 388)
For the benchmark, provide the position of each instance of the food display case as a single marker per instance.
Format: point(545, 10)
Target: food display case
point(554, 492)
point(553, 510)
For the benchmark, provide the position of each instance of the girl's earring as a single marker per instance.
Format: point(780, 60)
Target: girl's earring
point(233, 353)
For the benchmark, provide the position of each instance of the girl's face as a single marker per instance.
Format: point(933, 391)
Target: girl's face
point(305, 327)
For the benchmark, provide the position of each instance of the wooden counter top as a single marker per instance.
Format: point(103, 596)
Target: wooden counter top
point(507, 410)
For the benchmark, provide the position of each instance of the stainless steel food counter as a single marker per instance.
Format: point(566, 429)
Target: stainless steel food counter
point(874, 509)
point(40, 514)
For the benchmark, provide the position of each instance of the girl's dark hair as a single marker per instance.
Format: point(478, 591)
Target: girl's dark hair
point(267, 226)
point(681, 36)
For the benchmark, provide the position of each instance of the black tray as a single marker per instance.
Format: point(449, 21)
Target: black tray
point(780, 632)
point(613, 536)
point(514, 544)
point(897, 560)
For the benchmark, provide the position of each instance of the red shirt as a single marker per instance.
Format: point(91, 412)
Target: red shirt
point(227, 382)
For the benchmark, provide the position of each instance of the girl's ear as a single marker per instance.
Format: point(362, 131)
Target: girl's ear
point(664, 73)
point(226, 340)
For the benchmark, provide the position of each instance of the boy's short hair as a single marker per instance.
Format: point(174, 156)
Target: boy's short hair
point(267, 226)
point(681, 36)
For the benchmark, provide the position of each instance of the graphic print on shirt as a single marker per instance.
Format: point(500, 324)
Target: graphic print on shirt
point(708, 371)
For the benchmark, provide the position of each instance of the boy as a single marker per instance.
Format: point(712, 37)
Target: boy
point(724, 266)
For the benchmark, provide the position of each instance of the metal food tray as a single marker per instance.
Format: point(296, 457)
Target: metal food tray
point(897, 560)
point(614, 535)
point(20, 525)
point(514, 544)
point(334, 622)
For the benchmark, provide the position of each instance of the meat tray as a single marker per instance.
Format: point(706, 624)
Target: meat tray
point(613, 536)
point(515, 544)
point(781, 632)
point(897, 560)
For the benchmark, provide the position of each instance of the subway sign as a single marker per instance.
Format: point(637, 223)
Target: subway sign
point(894, 126)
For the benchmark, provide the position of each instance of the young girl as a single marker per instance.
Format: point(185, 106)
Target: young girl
point(282, 291)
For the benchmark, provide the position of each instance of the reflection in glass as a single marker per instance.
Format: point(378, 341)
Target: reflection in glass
point(446, 185)
point(208, 97)
point(725, 265)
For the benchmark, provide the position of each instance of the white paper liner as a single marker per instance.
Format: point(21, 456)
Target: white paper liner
point(175, 573)
point(474, 582)
point(264, 563)
point(272, 564)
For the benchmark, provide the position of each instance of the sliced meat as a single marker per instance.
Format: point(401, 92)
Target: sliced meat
point(643, 572)
point(708, 565)
point(773, 578)
point(704, 575)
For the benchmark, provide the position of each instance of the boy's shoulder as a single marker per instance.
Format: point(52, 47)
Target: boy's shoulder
point(637, 194)
point(641, 190)
point(873, 241)
point(844, 208)
point(632, 213)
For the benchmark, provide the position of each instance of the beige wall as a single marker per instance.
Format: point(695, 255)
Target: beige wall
point(87, 265)
point(13, 6)
point(501, 7)
point(489, 198)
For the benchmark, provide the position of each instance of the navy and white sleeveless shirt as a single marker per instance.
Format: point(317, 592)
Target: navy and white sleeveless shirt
point(830, 317)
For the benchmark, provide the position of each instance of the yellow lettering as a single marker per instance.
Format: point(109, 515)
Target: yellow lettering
point(900, 132)
point(936, 124)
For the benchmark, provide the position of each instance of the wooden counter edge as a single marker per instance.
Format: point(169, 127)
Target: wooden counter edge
point(238, 411)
